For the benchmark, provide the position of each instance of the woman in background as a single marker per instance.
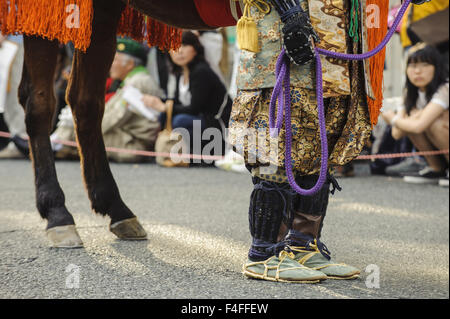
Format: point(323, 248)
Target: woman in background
point(424, 117)
point(199, 94)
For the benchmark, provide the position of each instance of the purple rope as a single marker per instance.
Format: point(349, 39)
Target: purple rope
point(323, 133)
point(280, 73)
point(375, 51)
point(282, 86)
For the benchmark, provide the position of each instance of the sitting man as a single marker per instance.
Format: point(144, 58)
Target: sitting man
point(123, 126)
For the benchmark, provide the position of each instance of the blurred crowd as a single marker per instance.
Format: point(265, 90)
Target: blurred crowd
point(199, 81)
point(141, 82)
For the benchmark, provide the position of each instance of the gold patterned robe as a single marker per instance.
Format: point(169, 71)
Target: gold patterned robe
point(347, 116)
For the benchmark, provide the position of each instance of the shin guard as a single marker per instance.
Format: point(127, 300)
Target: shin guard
point(309, 211)
point(270, 204)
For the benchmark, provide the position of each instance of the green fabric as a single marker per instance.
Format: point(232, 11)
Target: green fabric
point(289, 271)
point(136, 70)
point(328, 267)
point(132, 48)
point(353, 30)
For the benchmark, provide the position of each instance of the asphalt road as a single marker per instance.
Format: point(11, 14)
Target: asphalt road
point(198, 239)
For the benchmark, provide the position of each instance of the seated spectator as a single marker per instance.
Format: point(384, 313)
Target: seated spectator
point(215, 50)
point(158, 66)
point(123, 126)
point(199, 93)
point(424, 117)
point(384, 143)
point(13, 113)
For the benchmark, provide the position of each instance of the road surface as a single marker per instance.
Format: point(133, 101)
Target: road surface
point(396, 233)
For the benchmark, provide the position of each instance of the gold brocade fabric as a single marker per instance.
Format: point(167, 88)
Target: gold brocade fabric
point(347, 122)
point(328, 17)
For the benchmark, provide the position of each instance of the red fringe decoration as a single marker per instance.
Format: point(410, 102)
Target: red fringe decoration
point(142, 28)
point(375, 36)
point(49, 19)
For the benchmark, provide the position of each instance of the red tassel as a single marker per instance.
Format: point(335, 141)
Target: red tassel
point(142, 28)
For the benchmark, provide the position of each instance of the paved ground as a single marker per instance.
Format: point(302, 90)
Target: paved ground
point(197, 223)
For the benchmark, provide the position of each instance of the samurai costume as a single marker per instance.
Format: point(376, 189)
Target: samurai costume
point(286, 227)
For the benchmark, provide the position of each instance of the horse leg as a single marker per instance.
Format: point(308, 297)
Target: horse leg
point(36, 95)
point(86, 96)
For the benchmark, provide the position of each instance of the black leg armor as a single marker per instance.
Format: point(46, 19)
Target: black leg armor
point(270, 204)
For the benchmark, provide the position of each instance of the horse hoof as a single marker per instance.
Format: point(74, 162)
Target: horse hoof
point(128, 229)
point(64, 237)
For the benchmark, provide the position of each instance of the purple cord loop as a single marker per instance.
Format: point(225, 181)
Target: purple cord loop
point(281, 70)
point(282, 94)
point(380, 47)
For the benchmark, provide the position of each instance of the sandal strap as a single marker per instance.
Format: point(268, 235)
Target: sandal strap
point(313, 246)
point(282, 256)
point(310, 254)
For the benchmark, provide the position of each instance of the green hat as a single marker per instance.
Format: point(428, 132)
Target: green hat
point(132, 48)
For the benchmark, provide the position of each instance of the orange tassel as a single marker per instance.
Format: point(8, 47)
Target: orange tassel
point(375, 36)
point(50, 19)
point(11, 18)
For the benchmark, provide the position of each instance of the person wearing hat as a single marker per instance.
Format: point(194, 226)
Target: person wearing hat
point(123, 126)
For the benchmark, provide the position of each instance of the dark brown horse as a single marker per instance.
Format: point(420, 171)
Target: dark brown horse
point(86, 96)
